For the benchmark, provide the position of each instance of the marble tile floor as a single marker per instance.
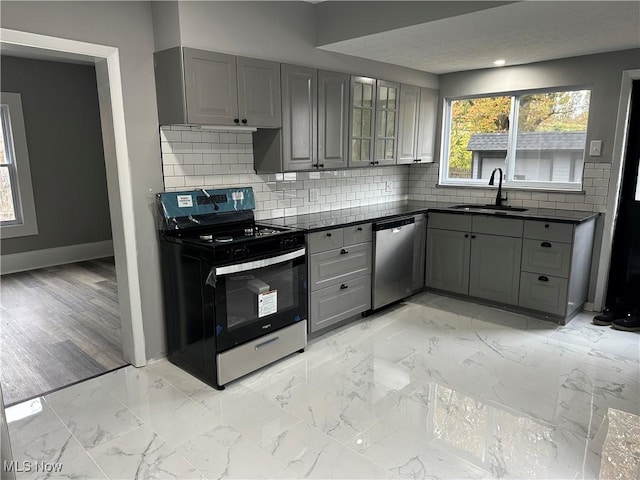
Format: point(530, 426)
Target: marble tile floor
point(432, 388)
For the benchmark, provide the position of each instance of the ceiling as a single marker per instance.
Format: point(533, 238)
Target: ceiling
point(521, 32)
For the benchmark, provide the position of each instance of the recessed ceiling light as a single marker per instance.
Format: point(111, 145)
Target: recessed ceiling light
point(499, 63)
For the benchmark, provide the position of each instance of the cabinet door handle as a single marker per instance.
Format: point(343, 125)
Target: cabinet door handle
point(542, 278)
point(546, 225)
point(320, 165)
point(244, 120)
point(344, 251)
point(359, 229)
point(473, 236)
point(344, 286)
point(466, 235)
point(236, 120)
point(328, 234)
point(545, 245)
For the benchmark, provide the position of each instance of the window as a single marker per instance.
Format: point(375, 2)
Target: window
point(17, 208)
point(538, 139)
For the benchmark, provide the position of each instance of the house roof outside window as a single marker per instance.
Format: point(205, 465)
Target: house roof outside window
point(491, 142)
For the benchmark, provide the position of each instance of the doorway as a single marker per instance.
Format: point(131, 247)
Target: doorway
point(624, 272)
point(61, 324)
point(118, 166)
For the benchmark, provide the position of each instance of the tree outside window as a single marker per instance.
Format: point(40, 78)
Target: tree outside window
point(537, 136)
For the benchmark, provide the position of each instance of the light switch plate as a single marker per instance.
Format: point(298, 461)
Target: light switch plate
point(595, 148)
point(388, 186)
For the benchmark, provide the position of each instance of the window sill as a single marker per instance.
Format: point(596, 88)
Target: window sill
point(18, 230)
point(510, 188)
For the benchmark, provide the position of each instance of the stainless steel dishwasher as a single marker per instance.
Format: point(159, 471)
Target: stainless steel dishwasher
point(393, 260)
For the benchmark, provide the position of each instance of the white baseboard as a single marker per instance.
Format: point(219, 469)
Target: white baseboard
point(589, 307)
point(49, 257)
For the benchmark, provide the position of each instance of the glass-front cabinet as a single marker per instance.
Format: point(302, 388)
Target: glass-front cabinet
point(363, 94)
point(387, 102)
point(374, 122)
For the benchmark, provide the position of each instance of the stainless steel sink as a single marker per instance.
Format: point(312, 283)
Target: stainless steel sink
point(502, 208)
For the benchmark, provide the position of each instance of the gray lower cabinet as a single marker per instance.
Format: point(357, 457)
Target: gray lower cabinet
point(494, 272)
point(419, 252)
point(536, 265)
point(556, 264)
point(340, 263)
point(447, 266)
point(476, 255)
point(338, 302)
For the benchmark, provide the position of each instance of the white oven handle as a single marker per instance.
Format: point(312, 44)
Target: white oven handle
point(266, 262)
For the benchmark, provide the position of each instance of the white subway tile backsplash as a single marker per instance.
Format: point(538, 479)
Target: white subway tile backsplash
point(199, 159)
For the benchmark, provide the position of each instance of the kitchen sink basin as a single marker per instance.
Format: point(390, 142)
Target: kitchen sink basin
point(502, 208)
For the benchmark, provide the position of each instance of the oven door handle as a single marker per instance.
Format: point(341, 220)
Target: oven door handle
point(266, 262)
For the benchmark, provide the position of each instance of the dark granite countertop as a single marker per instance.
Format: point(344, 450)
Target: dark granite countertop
point(379, 211)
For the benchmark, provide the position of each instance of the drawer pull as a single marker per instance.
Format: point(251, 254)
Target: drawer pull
point(359, 229)
point(344, 251)
point(328, 234)
point(344, 286)
point(545, 245)
point(546, 225)
point(542, 278)
point(466, 235)
point(264, 344)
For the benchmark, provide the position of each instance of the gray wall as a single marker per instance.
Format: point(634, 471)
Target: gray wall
point(64, 140)
point(280, 31)
point(128, 27)
point(602, 73)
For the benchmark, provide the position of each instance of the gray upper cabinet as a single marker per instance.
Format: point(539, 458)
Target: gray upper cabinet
point(201, 87)
point(259, 101)
point(417, 129)
point(408, 127)
point(386, 139)
point(427, 115)
point(211, 88)
point(333, 119)
point(299, 117)
point(362, 121)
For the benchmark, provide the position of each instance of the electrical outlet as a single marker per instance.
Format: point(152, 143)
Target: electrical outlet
point(388, 186)
point(314, 194)
point(595, 148)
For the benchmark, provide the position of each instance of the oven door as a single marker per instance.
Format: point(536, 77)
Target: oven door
point(258, 297)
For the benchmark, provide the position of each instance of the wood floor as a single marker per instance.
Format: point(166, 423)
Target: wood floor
point(60, 325)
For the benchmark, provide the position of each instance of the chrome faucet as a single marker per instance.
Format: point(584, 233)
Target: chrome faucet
point(499, 197)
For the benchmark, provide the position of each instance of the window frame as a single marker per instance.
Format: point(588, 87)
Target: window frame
point(510, 157)
point(16, 148)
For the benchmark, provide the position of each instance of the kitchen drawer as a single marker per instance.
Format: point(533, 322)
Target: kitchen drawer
point(552, 231)
point(339, 265)
point(338, 302)
point(357, 234)
point(262, 351)
point(543, 293)
point(449, 221)
point(325, 240)
point(547, 258)
point(491, 225)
